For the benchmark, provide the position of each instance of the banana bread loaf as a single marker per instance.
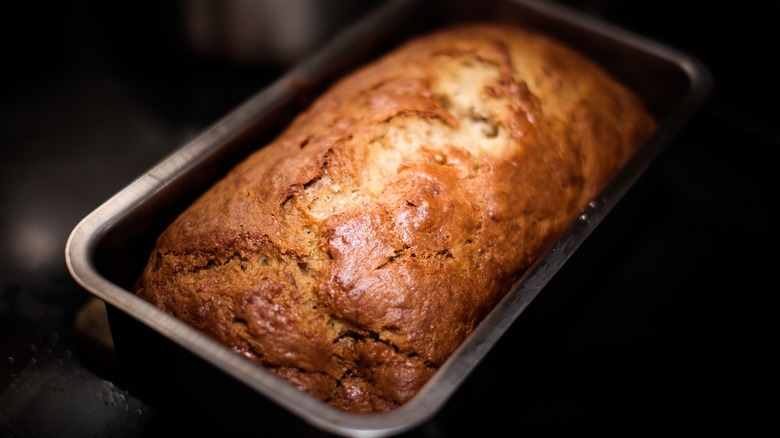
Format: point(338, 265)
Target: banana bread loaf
point(353, 254)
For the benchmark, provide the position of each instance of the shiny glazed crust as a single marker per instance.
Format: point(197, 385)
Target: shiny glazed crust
point(353, 254)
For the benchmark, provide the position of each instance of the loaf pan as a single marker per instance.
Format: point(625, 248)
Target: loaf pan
point(175, 366)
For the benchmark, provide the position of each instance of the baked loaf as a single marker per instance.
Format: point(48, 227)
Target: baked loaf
point(353, 254)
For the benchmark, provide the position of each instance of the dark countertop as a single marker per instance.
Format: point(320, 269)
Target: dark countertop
point(667, 319)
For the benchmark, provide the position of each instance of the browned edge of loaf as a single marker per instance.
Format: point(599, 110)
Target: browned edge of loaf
point(353, 254)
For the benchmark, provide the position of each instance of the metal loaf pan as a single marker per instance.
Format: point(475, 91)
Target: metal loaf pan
point(173, 365)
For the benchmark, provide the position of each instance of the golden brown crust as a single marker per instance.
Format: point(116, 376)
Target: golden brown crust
point(353, 254)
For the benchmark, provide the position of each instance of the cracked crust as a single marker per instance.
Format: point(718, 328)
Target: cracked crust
point(353, 254)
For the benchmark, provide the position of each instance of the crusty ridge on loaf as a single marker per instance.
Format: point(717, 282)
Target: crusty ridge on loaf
point(353, 254)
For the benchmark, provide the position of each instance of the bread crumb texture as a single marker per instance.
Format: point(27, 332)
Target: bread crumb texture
point(353, 254)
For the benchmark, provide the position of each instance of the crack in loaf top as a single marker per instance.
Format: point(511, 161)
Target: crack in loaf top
point(353, 254)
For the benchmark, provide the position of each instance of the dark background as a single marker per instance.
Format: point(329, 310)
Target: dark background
point(666, 323)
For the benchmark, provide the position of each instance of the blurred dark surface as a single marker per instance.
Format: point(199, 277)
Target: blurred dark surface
point(667, 325)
